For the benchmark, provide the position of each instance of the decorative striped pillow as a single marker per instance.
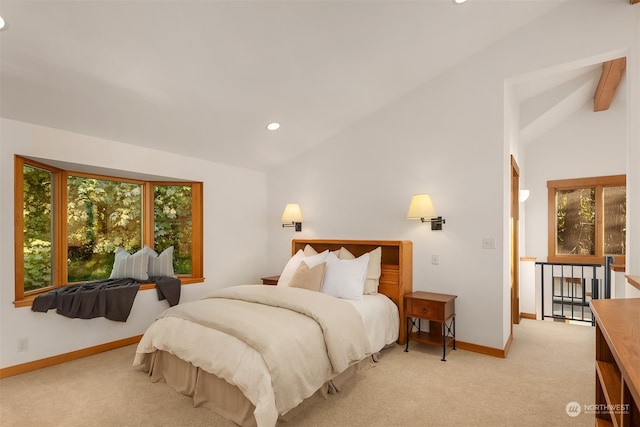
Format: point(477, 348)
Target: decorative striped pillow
point(130, 266)
point(160, 265)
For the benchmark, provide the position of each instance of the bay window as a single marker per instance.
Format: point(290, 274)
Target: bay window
point(68, 225)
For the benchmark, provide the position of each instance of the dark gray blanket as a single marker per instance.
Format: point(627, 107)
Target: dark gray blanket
point(168, 288)
point(110, 298)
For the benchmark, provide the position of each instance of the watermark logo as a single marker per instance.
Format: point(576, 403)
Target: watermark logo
point(573, 409)
point(602, 408)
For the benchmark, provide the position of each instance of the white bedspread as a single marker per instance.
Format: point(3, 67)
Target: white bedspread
point(239, 364)
point(380, 318)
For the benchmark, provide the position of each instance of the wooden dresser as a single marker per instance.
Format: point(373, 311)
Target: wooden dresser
point(617, 362)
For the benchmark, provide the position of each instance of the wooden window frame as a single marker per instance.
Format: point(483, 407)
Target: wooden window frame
point(599, 183)
point(59, 229)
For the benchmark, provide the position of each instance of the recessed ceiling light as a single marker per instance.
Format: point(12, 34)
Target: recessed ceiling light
point(273, 126)
point(459, 1)
point(2, 23)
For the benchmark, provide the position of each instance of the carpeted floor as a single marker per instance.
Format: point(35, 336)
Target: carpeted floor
point(549, 365)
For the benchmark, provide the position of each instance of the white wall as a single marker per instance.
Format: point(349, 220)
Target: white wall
point(587, 144)
point(633, 160)
point(359, 185)
point(448, 138)
point(234, 236)
point(528, 287)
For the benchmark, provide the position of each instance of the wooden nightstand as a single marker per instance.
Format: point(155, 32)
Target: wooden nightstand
point(271, 280)
point(439, 310)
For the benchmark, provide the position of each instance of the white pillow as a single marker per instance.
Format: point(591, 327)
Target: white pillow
point(374, 269)
point(290, 268)
point(160, 265)
point(130, 266)
point(344, 253)
point(344, 278)
point(309, 251)
point(314, 260)
point(294, 263)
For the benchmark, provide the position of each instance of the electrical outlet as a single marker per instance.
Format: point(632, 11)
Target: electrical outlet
point(23, 344)
point(488, 243)
point(435, 259)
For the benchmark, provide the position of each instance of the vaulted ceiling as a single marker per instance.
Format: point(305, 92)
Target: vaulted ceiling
point(204, 78)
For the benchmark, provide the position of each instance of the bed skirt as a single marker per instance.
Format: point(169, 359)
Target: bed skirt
point(214, 393)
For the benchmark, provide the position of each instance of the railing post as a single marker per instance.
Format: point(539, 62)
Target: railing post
point(542, 290)
point(608, 260)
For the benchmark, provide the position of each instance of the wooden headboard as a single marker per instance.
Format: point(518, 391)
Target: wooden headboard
point(396, 279)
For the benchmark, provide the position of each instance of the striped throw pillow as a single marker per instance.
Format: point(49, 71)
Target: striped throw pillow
point(160, 265)
point(130, 266)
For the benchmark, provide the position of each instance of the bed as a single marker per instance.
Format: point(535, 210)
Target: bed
point(256, 353)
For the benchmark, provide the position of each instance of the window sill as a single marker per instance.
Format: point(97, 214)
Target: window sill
point(25, 302)
point(191, 280)
point(28, 301)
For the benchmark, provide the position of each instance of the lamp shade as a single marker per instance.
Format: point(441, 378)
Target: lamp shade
point(421, 207)
point(292, 213)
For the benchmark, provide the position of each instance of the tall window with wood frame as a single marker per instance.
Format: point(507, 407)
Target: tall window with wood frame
point(68, 225)
point(38, 229)
point(102, 214)
point(587, 219)
point(173, 225)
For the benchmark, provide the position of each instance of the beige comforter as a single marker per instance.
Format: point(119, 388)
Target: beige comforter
point(304, 337)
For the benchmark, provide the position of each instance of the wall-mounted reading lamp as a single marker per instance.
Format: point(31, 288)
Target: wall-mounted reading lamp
point(422, 208)
point(292, 216)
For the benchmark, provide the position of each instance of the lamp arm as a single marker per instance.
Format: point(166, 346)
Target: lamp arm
point(439, 220)
point(436, 223)
point(297, 225)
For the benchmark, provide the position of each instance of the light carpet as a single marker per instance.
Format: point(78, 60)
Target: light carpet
point(549, 366)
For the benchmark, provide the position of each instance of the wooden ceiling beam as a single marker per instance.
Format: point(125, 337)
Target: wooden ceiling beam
point(612, 72)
